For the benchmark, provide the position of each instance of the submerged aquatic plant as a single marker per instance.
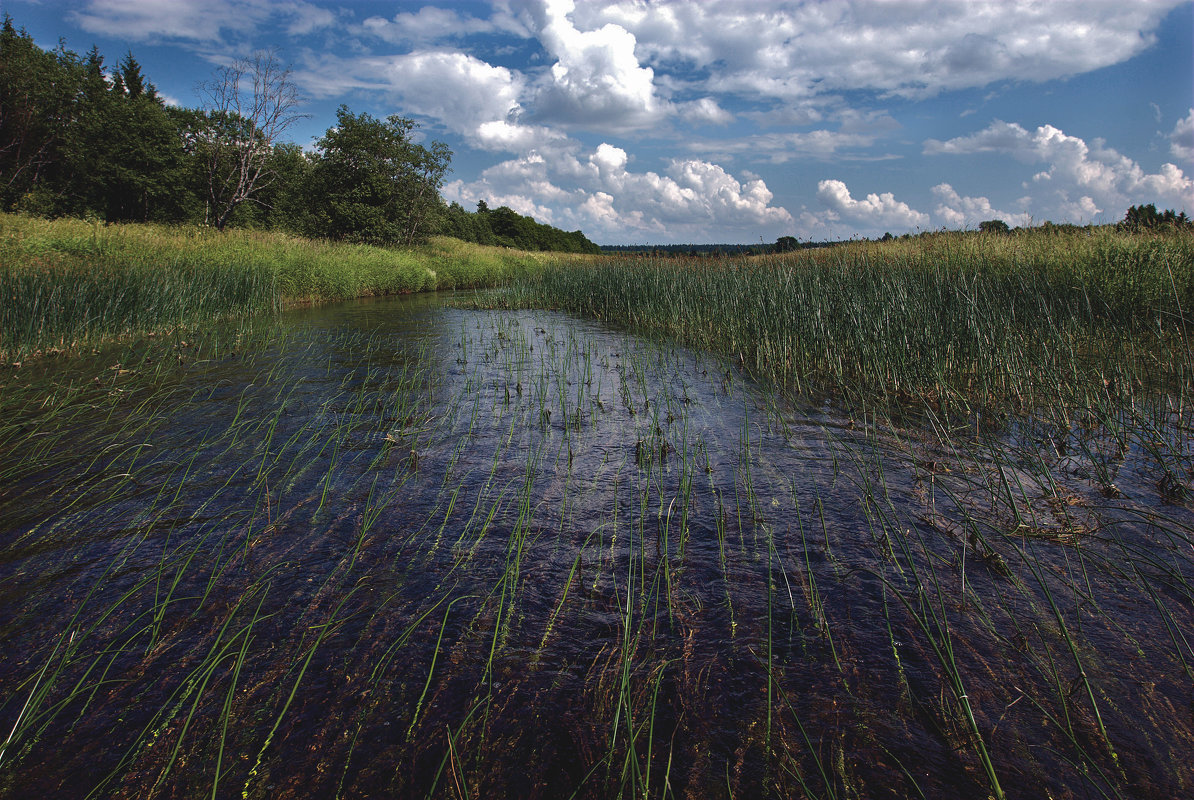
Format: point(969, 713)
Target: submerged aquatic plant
point(354, 554)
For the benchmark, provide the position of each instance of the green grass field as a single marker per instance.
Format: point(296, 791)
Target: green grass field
point(947, 317)
point(66, 283)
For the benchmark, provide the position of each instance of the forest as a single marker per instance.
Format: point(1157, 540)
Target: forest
point(81, 139)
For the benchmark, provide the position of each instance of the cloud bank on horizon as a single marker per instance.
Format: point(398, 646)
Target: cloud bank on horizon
point(681, 120)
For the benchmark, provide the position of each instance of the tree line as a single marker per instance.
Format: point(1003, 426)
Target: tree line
point(81, 139)
point(504, 227)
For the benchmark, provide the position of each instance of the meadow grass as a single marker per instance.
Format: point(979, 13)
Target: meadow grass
point(945, 317)
point(65, 283)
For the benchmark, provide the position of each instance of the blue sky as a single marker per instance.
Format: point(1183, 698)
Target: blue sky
point(690, 121)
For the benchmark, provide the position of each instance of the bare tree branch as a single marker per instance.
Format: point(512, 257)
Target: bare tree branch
point(248, 105)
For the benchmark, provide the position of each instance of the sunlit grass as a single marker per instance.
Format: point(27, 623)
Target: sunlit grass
point(65, 283)
point(962, 318)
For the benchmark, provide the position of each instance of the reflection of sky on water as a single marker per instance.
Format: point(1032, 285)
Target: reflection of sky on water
point(525, 529)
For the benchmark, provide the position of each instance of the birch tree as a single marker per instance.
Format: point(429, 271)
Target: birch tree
point(248, 106)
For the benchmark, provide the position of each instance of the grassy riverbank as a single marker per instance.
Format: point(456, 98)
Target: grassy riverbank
point(952, 316)
point(65, 283)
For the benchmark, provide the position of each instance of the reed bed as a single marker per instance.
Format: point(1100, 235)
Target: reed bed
point(971, 319)
point(453, 553)
point(394, 549)
point(68, 283)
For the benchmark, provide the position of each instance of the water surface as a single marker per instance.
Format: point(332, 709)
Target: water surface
point(394, 548)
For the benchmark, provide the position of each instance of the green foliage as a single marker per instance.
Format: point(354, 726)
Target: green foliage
point(505, 227)
point(132, 81)
point(371, 183)
point(1147, 218)
point(283, 202)
point(465, 226)
point(68, 282)
point(37, 107)
point(994, 226)
point(125, 158)
point(80, 139)
point(73, 141)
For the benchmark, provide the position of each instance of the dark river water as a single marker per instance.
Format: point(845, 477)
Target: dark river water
point(394, 548)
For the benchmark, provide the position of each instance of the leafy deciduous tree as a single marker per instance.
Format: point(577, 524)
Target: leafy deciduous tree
point(786, 244)
point(994, 226)
point(371, 183)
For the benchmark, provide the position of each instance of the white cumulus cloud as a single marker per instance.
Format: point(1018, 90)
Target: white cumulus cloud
point(1181, 139)
point(956, 211)
point(796, 49)
point(692, 200)
point(596, 79)
point(1101, 177)
point(876, 211)
point(467, 95)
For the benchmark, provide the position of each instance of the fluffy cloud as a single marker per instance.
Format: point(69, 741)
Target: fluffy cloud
point(1181, 139)
point(998, 137)
point(465, 94)
point(685, 203)
point(596, 79)
point(956, 211)
point(704, 111)
point(1103, 176)
point(712, 192)
point(876, 211)
point(796, 49)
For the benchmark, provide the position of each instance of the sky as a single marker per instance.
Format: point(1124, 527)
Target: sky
point(683, 121)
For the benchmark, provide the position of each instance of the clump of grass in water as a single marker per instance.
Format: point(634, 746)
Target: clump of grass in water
point(966, 319)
